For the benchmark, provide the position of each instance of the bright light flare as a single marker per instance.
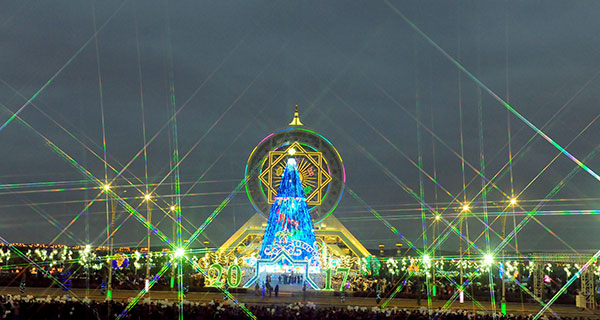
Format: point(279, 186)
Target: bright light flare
point(106, 187)
point(172, 208)
point(147, 197)
point(513, 201)
point(179, 252)
point(438, 217)
point(488, 259)
point(426, 259)
point(465, 207)
point(292, 151)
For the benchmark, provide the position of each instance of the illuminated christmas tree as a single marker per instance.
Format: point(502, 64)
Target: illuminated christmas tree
point(289, 226)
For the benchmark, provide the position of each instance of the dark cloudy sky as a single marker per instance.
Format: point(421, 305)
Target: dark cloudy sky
point(362, 76)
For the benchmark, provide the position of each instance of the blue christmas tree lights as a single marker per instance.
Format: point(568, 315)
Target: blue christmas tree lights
point(289, 226)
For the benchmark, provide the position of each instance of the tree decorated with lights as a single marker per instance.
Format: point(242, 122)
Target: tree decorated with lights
point(289, 225)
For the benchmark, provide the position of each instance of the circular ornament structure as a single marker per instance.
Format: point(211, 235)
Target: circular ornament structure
point(319, 164)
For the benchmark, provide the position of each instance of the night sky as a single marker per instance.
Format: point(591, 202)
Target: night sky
point(380, 80)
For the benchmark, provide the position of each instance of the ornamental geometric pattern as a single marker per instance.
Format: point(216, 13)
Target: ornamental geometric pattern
point(311, 166)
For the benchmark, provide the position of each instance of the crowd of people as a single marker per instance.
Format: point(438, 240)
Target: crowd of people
point(22, 308)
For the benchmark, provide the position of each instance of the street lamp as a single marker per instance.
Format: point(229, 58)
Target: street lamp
point(179, 252)
point(488, 259)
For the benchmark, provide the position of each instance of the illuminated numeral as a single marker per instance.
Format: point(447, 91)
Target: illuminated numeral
point(345, 271)
point(238, 275)
point(327, 279)
point(215, 282)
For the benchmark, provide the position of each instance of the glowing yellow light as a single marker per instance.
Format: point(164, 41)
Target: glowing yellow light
point(426, 259)
point(147, 197)
point(513, 201)
point(488, 259)
point(292, 151)
point(173, 208)
point(438, 217)
point(106, 187)
point(465, 208)
point(179, 252)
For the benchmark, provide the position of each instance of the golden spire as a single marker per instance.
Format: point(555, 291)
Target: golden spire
point(296, 120)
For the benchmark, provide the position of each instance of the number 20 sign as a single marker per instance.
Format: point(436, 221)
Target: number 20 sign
point(233, 269)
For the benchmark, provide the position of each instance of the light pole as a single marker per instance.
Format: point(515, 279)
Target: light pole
point(503, 301)
point(461, 295)
point(111, 248)
point(464, 210)
point(147, 197)
point(513, 203)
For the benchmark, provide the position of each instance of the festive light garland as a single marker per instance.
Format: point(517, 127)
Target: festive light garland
point(234, 269)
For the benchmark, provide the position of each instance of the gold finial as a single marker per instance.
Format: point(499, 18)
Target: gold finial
point(296, 120)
